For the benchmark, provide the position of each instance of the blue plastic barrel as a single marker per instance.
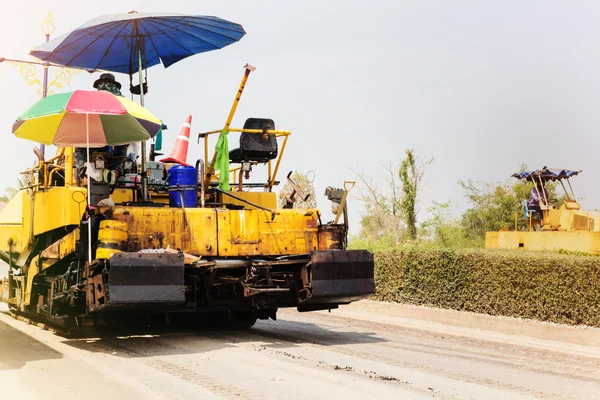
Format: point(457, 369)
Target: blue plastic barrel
point(183, 186)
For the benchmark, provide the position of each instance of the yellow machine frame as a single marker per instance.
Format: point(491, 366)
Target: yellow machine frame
point(243, 253)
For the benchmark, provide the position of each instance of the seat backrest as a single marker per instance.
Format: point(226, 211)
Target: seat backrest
point(258, 146)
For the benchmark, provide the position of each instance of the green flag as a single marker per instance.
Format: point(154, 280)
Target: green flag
point(158, 138)
point(222, 161)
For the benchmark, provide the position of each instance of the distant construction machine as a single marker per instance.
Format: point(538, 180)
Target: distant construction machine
point(549, 227)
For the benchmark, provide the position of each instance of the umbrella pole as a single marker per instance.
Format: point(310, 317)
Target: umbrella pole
point(143, 159)
point(89, 193)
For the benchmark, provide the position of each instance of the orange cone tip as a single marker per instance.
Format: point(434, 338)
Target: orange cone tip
point(180, 149)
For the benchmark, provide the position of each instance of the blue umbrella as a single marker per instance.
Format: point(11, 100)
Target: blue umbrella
point(115, 42)
point(129, 43)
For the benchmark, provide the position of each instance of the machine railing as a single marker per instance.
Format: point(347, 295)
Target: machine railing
point(210, 166)
point(271, 174)
point(44, 173)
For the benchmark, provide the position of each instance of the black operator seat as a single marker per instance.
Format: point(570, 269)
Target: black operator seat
point(255, 147)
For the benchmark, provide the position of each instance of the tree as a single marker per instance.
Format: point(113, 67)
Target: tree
point(442, 229)
point(304, 185)
point(382, 217)
point(411, 174)
point(391, 213)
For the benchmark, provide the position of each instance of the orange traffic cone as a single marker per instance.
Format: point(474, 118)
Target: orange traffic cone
point(179, 153)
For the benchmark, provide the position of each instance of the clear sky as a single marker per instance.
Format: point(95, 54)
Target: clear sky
point(480, 86)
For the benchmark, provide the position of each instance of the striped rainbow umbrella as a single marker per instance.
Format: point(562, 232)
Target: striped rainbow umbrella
point(86, 118)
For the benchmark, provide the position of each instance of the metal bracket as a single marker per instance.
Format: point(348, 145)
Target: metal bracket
point(295, 191)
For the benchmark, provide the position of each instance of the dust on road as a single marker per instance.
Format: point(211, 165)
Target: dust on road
point(300, 356)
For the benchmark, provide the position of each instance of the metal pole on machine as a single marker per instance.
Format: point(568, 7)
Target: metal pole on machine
point(140, 40)
point(143, 159)
point(211, 168)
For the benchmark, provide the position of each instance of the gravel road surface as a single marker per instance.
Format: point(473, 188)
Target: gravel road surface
point(341, 355)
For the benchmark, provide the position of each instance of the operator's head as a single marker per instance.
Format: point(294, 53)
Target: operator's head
point(107, 82)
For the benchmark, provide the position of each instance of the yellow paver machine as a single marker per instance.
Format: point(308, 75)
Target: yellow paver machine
point(549, 226)
point(189, 245)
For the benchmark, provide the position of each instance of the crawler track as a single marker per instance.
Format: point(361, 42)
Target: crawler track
point(41, 322)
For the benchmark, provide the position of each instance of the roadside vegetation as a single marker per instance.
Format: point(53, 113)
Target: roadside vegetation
point(538, 285)
point(390, 221)
point(441, 261)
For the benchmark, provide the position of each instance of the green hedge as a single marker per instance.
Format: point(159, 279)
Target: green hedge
point(543, 286)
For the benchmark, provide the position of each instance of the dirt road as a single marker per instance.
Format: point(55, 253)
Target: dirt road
point(340, 355)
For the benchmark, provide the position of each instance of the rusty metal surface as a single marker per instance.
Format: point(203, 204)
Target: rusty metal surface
point(159, 228)
point(331, 237)
point(256, 233)
point(95, 293)
point(248, 291)
point(218, 232)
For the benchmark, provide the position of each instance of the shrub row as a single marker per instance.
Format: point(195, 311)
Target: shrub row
point(544, 286)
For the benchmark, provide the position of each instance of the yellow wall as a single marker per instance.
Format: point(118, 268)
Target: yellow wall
point(556, 240)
